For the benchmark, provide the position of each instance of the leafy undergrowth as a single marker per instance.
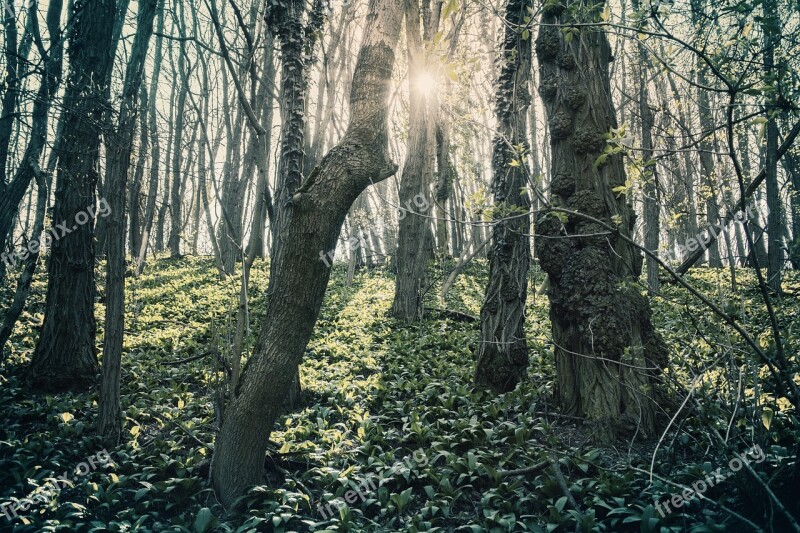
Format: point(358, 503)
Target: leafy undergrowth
point(390, 411)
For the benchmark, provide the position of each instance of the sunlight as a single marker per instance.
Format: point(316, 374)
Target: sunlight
point(425, 83)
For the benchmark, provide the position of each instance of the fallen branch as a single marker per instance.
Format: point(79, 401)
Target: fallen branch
point(187, 360)
point(527, 470)
point(455, 315)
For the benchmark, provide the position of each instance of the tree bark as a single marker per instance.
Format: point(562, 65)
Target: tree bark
point(775, 225)
point(299, 278)
point(176, 200)
point(607, 352)
point(109, 417)
point(503, 352)
point(413, 245)
point(65, 355)
point(651, 210)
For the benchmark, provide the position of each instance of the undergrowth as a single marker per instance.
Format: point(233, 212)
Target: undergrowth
point(393, 407)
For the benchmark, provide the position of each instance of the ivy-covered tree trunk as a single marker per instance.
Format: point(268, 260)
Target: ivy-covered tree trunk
point(286, 20)
point(503, 351)
point(607, 352)
point(65, 355)
point(299, 278)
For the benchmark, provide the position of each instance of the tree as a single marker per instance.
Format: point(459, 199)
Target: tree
point(109, 418)
point(414, 234)
point(299, 278)
point(503, 351)
point(648, 167)
point(775, 227)
point(607, 353)
point(65, 354)
point(153, 137)
point(11, 194)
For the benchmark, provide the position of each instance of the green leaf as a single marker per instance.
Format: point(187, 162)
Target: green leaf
point(766, 417)
point(204, 521)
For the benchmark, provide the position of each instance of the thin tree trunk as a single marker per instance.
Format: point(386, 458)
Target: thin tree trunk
point(775, 227)
point(176, 200)
point(413, 245)
point(109, 417)
point(152, 124)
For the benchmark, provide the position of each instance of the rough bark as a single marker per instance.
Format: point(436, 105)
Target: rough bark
point(287, 26)
point(109, 417)
point(607, 352)
point(413, 244)
point(299, 278)
point(65, 354)
point(503, 351)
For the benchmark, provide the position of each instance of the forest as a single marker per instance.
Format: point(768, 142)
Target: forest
point(400, 265)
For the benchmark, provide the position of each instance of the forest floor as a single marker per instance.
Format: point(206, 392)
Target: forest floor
point(390, 435)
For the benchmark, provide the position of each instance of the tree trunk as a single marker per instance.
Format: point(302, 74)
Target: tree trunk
point(176, 200)
point(651, 211)
point(503, 352)
point(413, 246)
point(298, 278)
point(11, 87)
point(109, 417)
point(65, 355)
point(152, 117)
point(288, 28)
point(607, 352)
point(775, 227)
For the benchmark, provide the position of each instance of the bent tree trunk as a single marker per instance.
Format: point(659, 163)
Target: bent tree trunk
point(65, 355)
point(299, 278)
point(607, 353)
point(503, 351)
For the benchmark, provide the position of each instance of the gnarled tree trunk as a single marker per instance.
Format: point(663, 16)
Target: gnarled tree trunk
point(607, 353)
